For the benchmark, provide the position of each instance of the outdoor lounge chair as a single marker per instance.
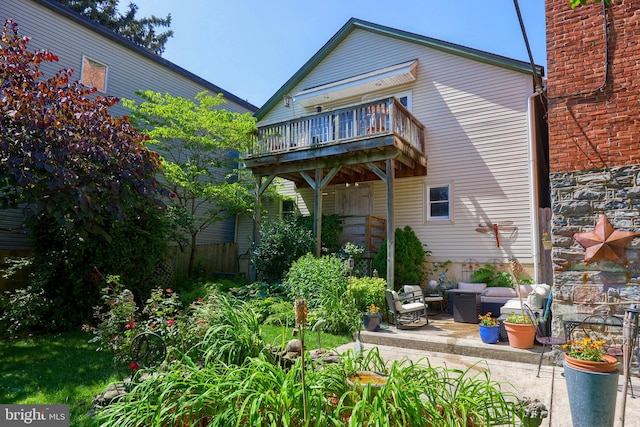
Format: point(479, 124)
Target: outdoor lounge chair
point(406, 311)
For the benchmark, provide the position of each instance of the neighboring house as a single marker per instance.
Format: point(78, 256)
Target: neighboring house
point(594, 147)
point(382, 125)
point(114, 65)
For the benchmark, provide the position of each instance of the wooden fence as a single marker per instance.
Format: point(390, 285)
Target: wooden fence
point(211, 259)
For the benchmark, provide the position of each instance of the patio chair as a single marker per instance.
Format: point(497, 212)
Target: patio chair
point(540, 336)
point(405, 310)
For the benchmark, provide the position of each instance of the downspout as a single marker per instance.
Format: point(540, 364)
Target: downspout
point(533, 180)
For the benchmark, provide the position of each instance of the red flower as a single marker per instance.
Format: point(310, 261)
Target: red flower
point(171, 322)
point(153, 326)
point(200, 299)
point(134, 366)
point(168, 290)
point(130, 325)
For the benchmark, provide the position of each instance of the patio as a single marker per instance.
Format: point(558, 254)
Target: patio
point(443, 335)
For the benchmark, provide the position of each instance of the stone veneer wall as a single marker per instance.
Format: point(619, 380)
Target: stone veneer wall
point(579, 199)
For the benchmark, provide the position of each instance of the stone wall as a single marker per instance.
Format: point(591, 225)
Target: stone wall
point(579, 200)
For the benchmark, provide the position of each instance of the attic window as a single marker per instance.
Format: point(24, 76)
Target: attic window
point(359, 85)
point(94, 74)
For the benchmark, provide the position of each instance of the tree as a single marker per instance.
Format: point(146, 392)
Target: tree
point(140, 31)
point(197, 141)
point(83, 178)
point(62, 152)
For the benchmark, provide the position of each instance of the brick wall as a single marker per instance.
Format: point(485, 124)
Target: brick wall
point(593, 123)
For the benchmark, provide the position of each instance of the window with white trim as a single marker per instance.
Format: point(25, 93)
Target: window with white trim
point(439, 202)
point(405, 99)
point(94, 73)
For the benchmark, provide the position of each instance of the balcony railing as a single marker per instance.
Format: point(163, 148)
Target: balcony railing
point(363, 121)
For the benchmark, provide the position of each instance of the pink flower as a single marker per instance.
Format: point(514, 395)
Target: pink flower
point(130, 325)
point(200, 299)
point(171, 322)
point(168, 290)
point(153, 326)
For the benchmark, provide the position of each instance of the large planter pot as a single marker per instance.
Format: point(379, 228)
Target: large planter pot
point(489, 334)
point(592, 395)
point(608, 364)
point(520, 335)
point(372, 321)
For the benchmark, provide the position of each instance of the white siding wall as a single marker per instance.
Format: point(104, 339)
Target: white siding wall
point(477, 140)
point(128, 72)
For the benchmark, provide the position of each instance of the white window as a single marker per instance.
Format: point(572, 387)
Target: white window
point(439, 204)
point(405, 99)
point(94, 74)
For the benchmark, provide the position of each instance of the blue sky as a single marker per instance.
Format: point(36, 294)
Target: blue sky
point(252, 47)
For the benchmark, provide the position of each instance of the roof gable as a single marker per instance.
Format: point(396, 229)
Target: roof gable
point(354, 23)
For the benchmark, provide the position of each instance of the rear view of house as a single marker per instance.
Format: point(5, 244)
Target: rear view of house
point(388, 128)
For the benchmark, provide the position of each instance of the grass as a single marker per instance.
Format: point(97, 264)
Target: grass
point(55, 369)
point(273, 335)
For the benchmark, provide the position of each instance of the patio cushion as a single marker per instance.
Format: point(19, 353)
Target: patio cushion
point(472, 286)
point(412, 306)
point(500, 292)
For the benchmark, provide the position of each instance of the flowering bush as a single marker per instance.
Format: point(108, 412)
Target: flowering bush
point(586, 349)
point(487, 320)
point(120, 320)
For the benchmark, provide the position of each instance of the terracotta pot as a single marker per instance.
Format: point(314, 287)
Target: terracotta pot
point(520, 335)
point(608, 364)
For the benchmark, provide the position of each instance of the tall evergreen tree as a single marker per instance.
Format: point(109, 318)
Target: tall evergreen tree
point(140, 31)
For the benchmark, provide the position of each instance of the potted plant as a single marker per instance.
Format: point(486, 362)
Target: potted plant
point(489, 328)
point(592, 382)
point(532, 412)
point(519, 330)
point(372, 318)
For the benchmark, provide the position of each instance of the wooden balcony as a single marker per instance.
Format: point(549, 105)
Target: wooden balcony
point(344, 139)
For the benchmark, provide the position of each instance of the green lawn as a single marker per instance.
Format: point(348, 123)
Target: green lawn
point(65, 368)
point(51, 369)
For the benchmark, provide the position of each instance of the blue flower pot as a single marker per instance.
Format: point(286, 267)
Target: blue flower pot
point(372, 321)
point(592, 396)
point(489, 334)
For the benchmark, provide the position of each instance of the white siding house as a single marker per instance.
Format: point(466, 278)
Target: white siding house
point(122, 68)
point(478, 131)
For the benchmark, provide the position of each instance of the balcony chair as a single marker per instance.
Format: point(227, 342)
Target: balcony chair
point(405, 309)
point(541, 337)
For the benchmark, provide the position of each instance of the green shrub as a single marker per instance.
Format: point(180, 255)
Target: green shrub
point(314, 278)
point(367, 291)
point(331, 229)
point(22, 310)
point(487, 274)
point(281, 243)
point(323, 283)
point(409, 258)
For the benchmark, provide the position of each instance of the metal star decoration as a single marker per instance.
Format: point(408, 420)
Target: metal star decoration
point(605, 242)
